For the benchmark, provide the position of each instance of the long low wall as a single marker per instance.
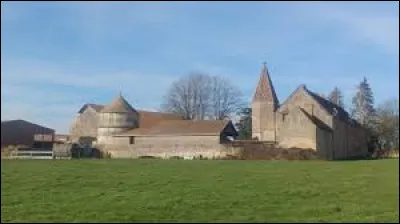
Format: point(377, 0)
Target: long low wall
point(167, 151)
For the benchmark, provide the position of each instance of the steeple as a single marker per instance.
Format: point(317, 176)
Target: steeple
point(265, 90)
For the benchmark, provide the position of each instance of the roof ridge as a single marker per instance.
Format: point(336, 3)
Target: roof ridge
point(327, 105)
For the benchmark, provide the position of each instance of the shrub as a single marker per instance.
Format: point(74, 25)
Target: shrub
point(175, 157)
point(148, 157)
point(230, 157)
point(268, 151)
point(7, 150)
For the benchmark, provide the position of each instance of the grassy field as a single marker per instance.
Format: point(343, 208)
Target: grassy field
point(199, 191)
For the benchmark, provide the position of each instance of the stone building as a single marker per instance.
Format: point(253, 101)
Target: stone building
point(125, 132)
point(305, 120)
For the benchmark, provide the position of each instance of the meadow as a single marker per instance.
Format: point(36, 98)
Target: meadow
point(199, 191)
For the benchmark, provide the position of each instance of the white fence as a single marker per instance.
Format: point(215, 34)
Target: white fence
point(32, 154)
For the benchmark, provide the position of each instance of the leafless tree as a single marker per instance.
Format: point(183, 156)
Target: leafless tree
point(200, 96)
point(336, 97)
point(387, 126)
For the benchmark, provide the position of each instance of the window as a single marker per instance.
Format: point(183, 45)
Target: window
point(131, 140)
point(284, 116)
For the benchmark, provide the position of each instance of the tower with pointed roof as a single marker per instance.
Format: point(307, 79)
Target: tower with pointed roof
point(115, 118)
point(264, 106)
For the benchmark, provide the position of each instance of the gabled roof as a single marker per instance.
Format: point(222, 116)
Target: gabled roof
point(96, 107)
point(23, 123)
point(299, 88)
point(265, 90)
point(331, 108)
point(119, 105)
point(180, 127)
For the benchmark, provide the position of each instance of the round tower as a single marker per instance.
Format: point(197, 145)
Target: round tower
point(115, 118)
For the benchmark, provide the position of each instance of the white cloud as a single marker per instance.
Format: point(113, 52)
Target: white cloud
point(364, 25)
point(29, 91)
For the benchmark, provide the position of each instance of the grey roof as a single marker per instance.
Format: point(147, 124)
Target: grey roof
point(22, 123)
point(119, 105)
point(96, 107)
point(331, 108)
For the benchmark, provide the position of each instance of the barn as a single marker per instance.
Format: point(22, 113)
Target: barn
point(21, 132)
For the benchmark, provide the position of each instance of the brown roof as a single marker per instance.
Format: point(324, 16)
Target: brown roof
point(265, 90)
point(148, 119)
point(180, 127)
point(119, 105)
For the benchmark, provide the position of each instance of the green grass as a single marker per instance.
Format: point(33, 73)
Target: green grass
point(199, 191)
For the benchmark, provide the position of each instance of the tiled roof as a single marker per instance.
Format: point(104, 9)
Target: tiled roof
point(148, 119)
point(180, 127)
point(265, 90)
point(119, 105)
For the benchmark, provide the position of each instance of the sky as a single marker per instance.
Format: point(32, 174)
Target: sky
point(57, 56)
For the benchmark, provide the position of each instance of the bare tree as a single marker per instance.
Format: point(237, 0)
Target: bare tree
point(363, 105)
point(198, 96)
point(225, 98)
point(387, 127)
point(336, 97)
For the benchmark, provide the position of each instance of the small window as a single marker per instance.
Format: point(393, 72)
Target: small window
point(131, 140)
point(283, 117)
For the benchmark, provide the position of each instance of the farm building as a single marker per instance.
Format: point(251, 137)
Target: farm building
point(126, 132)
point(21, 132)
point(305, 120)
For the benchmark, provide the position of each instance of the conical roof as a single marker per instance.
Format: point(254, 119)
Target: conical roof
point(119, 105)
point(265, 90)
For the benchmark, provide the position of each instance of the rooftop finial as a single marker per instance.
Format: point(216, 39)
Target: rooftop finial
point(120, 94)
point(265, 64)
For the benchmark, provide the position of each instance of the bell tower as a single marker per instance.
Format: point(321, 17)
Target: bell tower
point(264, 106)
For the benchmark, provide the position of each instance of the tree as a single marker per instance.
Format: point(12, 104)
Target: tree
point(244, 124)
point(198, 96)
point(363, 105)
point(387, 127)
point(336, 97)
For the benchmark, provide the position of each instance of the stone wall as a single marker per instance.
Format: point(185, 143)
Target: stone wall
point(340, 143)
point(324, 143)
point(296, 130)
point(263, 121)
point(85, 124)
point(303, 100)
point(169, 146)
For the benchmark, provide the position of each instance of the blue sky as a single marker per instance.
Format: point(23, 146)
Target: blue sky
point(56, 56)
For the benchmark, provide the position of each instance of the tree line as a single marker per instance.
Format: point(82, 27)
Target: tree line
point(201, 96)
